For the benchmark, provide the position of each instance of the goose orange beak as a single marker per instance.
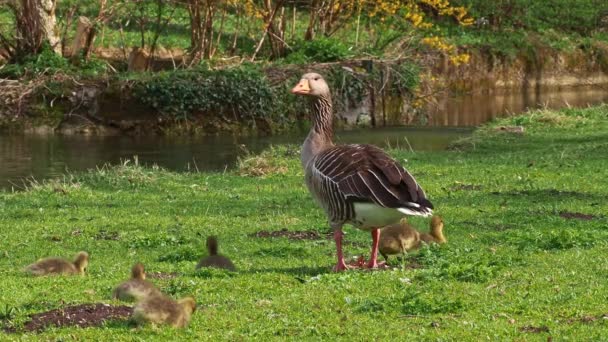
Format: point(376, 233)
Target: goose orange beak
point(302, 88)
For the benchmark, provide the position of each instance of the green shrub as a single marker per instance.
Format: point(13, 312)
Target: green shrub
point(45, 62)
point(320, 50)
point(49, 62)
point(238, 93)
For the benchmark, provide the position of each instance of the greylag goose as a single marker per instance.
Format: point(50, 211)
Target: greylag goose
point(160, 309)
point(402, 237)
point(356, 184)
point(214, 259)
point(59, 266)
point(135, 288)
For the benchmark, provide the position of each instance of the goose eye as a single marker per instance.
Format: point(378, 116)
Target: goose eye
point(316, 78)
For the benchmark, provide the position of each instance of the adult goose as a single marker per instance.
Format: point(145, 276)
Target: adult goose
point(356, 184)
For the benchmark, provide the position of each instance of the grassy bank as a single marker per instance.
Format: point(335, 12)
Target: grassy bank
point(525, 221)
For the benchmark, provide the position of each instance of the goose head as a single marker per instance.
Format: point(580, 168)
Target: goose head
point(311, 84)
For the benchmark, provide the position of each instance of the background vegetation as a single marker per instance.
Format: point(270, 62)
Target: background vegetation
point(181, 45)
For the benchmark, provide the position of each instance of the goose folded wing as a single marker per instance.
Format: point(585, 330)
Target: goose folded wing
point(366, 173)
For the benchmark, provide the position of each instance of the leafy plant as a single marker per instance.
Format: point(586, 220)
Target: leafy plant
point(320, 50)
point(241, 93)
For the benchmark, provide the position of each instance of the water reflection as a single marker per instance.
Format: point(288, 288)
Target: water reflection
point(51, 156)
point(474, 110)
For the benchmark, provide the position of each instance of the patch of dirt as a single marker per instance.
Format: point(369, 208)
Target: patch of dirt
point(106, 235)
point(161, 275)
point(533, 329)
point(587, 318)
point(579, 216)
point(84, 315)
point(293, 235)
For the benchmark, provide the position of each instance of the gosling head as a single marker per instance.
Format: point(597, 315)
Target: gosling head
point(81, 262)
point(188, 303)
point(212, 245)
point(138, 272)
point(437, 228)
point(311, 84)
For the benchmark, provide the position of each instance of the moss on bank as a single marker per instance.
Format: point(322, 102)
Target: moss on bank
point(525, 221)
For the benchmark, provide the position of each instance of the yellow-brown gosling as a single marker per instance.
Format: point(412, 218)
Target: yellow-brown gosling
point(60, 266)
point(402, 237)
point(435, 234)
point(135, 288)
point(214, 259)
point(160, 309)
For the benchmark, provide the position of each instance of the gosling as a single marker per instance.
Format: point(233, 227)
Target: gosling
point(54, 266)
point(160, 309)
point(214, 259)
point(403, 237)
point(135, 288)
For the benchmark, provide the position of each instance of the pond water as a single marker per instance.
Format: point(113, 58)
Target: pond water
point(39, 157)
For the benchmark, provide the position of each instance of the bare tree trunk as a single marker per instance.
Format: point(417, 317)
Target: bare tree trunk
point(48, 21)
point(201, 37)
point(159, 27)
point(64, 32)
point(293, 24)
point(142, 25)
point(92, 33)
point(310, 31)
point(220, 32)
point(35, 24)
point(80, 39)
point(269, 21)
point(208, 32)
point(196, 28)
point(236, 31)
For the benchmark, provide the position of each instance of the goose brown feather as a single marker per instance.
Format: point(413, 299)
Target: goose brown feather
point(365, 173)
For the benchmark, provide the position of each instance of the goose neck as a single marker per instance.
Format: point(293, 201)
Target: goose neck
point(322, 123)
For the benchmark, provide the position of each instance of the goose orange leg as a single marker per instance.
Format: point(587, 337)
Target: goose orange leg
point(341, 265)
point(373, 262)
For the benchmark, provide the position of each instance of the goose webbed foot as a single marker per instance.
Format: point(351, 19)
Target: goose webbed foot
point(341, 266)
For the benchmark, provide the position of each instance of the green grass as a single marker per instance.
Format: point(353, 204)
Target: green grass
point(511, 261)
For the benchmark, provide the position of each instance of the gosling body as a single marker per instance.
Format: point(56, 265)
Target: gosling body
point(214, 259)
point(402, 237)
point(135, 288)
point(59, 266)
point(160, 309)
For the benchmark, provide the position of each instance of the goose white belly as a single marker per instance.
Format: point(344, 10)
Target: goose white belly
point(369, 215)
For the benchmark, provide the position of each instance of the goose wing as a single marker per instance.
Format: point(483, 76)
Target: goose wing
point(365, 173)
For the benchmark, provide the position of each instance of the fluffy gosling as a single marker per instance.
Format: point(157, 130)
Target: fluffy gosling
point(402, 237)
point(160, 309)
point(214, 259)
point(59, 266)
point(135, 288)
point(435, 234)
